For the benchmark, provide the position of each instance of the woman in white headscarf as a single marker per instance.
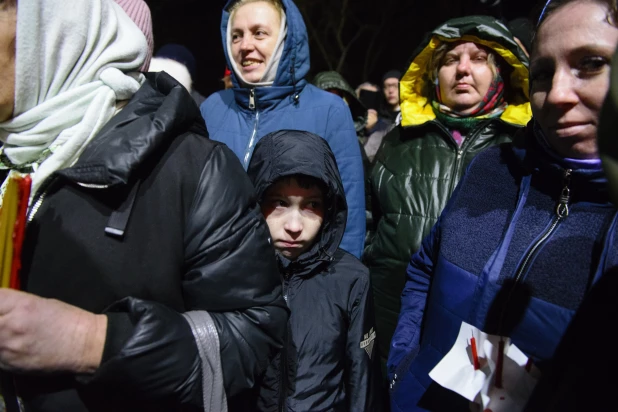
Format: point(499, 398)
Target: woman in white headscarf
point(137, 291)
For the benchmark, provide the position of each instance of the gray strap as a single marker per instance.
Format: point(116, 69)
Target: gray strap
point(207, 340)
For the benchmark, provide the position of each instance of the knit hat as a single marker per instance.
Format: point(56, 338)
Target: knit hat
point(181, 54)
point(391, 74)
point(139, 12)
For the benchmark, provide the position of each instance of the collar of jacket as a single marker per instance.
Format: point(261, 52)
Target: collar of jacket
point(415, 105)
point(588, 185)
point(293, 65)
point(489, 127)
point(161, 110)
point(268, 98)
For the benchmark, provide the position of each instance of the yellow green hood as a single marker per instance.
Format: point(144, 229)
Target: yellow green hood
point(484, 30)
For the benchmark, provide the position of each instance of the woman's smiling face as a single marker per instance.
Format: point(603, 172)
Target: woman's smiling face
point(569, 74)
point(254, 31)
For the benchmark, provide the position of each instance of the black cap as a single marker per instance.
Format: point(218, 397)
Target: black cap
point(391, 74)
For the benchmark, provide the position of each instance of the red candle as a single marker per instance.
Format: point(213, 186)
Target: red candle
point(475, 356)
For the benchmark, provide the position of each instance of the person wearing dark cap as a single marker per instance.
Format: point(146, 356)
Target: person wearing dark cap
point(183, 55)
point(390, 90)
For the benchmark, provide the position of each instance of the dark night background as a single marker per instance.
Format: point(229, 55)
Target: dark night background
point(375, 47)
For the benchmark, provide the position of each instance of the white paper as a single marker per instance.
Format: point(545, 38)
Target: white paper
point(456, 372)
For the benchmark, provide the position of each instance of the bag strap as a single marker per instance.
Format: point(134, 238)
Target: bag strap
point(119, 219)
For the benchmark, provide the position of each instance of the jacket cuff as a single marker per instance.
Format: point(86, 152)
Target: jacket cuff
point(119, 330)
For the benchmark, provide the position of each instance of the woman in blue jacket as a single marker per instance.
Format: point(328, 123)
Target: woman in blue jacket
point(267, 48)
point(528, 230)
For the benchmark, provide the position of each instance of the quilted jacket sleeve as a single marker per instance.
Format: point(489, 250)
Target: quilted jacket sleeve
point(341, 137)
point(230, 273)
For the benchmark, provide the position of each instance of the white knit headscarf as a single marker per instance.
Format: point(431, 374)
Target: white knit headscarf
point(268, 78)
point(73, 62)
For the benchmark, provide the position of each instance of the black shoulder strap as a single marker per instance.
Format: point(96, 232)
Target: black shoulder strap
point(119, 219)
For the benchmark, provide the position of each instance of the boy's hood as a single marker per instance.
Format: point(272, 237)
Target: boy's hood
point(294, 63)
point(416, 107)
point(290, 152)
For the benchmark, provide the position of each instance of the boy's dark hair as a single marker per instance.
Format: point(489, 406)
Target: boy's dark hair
point(305, 181)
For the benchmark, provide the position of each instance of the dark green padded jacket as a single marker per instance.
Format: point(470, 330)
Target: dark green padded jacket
point(419, 163)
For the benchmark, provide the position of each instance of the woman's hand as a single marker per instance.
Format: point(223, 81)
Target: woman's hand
point(45, 335)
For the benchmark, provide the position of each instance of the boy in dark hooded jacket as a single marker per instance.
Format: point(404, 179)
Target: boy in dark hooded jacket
point(328, 359)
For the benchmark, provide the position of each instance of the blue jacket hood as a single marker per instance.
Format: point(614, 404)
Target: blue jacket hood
point(294, 64)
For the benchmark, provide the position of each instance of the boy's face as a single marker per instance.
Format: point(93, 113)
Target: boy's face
point(294, 216)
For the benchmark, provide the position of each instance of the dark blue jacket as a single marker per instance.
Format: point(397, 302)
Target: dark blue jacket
point(291, 103)
point(506, 256)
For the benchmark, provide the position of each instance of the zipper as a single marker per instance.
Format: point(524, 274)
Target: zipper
point(38, 199)
point(460, 150)
point(252, 140)
point(561, 213)
point(93, 186)
point(284, 372)
point(392, 384)
point(286, 278)
point(283, 367)
point(252, 99)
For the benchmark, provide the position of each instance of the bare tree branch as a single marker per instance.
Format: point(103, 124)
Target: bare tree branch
point(336, 27)
point(346, 49)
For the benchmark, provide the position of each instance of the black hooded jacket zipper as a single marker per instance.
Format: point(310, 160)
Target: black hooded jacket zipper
point(460, 150)
point(284, 351)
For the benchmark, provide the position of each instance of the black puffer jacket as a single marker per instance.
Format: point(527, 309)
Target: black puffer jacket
point(330, 361)
point(195, 240)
